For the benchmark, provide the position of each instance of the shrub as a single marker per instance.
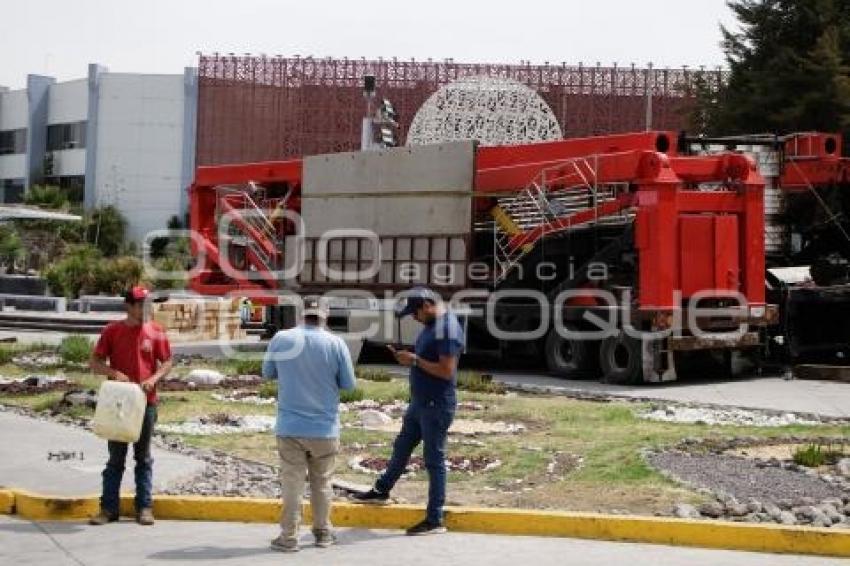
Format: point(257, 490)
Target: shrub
point(268, 389)
point(46, 196)
point(105, 229)
point(478, 383)
point(159, 245)
point(11, 247)
point(117, 274)
point(75, 273)
point(356, 394)
point(248, 366)
point(370, 374)
point(815, 455)
point(6, 354)
point(75, 349)
point(85, 271)
point(173, 265)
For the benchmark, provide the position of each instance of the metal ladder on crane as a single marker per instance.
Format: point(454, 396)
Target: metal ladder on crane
point(556, 193)
point(254, 228)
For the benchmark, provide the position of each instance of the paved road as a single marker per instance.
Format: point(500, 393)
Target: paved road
point(25, 445)
point(827, 398)
point(172, 542)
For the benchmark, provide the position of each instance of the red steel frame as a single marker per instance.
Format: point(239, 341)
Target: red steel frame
point(661, 193)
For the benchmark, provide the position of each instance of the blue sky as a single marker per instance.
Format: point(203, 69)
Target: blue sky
point(60, 38)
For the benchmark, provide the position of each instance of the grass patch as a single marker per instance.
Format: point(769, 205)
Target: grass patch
point(247, 366)
point(352, 395)
point(374, 374)
point(478, 383)
point(816, 455)
point(75, 349)
point(268, 389)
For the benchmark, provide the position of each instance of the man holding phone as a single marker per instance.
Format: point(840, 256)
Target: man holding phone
point(433, 400)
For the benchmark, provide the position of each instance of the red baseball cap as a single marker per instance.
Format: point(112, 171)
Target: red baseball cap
point(136, 294)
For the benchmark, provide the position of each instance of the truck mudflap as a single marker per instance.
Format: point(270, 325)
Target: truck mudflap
point(816, 324)
point(731, 341)
point(659, 364)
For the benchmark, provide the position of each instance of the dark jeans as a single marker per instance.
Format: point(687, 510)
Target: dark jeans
point(114, 470)
point(426, 422)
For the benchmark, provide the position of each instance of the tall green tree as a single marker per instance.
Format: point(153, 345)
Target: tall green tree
point(789, 69)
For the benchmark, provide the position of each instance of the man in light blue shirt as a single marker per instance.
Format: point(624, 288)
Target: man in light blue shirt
point(310, 365)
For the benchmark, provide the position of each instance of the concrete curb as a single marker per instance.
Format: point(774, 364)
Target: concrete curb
point(7, 502)
point(678, 532)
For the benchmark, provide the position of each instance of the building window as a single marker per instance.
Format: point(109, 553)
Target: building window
point(74, 187)
point(12, 190)
point(66, 136)
point(13, 141)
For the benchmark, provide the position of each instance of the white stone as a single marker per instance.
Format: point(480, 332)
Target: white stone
point(204, 376)
point(370, 418)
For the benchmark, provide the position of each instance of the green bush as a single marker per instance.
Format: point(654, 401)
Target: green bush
point(117, 274)
point(84, 270)
point(268, 389)
point(11, 248)
point(47, 196)
point(478, 383)
point(6, 354)
point(170, 264)
point(247, 366)
point(75, 349)
point(76, 273)
point(356, 394)
point(370, 374)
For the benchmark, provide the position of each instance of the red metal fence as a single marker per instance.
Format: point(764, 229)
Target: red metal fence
point(261, 108)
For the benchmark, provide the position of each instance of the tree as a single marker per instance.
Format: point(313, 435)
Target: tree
point(105, 229)
point(789, 70)
point(158, 245)
point(11, 247)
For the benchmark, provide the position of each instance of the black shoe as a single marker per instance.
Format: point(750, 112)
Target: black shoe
point(426, 527)
point(372, 497)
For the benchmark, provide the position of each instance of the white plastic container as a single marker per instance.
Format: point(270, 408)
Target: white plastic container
point(120, 411)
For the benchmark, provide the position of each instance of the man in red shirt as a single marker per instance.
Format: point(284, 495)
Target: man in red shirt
point(138, 351)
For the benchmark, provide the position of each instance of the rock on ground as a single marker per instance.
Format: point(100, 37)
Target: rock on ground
point(743, 478)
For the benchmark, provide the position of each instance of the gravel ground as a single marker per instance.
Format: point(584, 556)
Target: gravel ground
point(713, 416)
point(743, 478)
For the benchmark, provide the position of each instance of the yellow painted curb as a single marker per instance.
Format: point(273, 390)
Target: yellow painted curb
point(48, 508)
point(7, 502)
point(680, 532)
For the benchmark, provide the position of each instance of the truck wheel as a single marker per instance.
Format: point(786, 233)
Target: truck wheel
point(620, 357)
point(571, 358)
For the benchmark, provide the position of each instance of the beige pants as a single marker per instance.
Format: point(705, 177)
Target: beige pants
point(313, 458)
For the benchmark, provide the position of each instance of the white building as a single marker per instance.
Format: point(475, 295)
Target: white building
point(111, 138)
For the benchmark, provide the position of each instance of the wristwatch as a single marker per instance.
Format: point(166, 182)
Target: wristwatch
point(415, 362)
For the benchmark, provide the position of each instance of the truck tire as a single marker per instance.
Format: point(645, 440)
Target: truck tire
point(574, 359)
point(621, 360)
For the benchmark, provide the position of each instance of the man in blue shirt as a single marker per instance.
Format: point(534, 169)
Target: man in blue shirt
point(433, 379)
point(310, 365)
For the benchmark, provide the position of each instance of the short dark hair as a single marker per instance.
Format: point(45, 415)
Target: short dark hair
point(313, 319)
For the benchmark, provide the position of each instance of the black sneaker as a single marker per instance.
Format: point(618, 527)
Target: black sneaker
point(426, 527)
point(372, 497)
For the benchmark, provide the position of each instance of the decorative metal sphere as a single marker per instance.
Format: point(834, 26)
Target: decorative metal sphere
point(494, 111)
